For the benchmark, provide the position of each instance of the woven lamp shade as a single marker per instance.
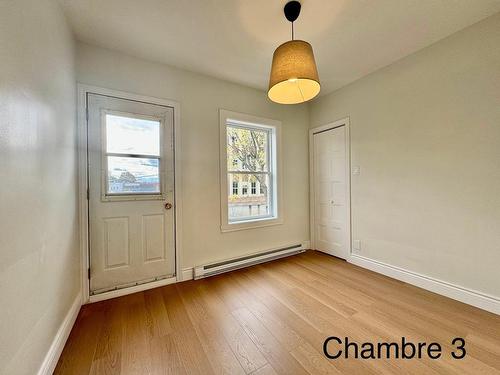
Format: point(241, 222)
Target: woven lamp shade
point(294, 77)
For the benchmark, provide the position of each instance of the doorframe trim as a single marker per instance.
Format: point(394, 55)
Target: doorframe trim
point(83, 89)
point(319, 129)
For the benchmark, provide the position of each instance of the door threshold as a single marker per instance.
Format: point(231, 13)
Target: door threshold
point(131, 290)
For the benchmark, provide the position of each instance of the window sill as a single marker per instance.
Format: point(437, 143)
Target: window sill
point(251, 224)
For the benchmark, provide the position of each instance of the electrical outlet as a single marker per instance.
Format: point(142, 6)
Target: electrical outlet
point(356, 170)
point(356, 244)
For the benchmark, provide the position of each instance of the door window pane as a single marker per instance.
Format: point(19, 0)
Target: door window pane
point(241, 205)
point(128, 135)
point(133, 175)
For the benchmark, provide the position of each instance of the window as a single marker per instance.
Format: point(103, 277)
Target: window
point(249, 155)
point(131, 155)
point(235, 188)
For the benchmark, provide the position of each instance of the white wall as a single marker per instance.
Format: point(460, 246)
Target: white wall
point(426, 133)
point(200, 98)
point(39, 260)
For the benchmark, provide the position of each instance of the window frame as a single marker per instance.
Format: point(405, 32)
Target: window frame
point(105, 196)
point(275, 170)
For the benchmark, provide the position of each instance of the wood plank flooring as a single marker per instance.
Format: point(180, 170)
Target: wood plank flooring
point(273, 319)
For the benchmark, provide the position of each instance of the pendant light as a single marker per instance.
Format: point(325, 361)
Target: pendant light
point(294, 77)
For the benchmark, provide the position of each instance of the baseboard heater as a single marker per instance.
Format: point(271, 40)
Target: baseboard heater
point(245, 261)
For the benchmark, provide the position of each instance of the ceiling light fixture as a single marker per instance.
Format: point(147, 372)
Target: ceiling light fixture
point(294, 77)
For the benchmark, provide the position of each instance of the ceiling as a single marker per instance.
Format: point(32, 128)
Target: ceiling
point(234, 39)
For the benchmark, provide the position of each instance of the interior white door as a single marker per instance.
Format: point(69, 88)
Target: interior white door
point(131, 192)
point(330, 192)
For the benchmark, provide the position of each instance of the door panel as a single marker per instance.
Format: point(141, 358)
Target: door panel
point(115, 246)
point(330, 195)
point(131, 177)
point(153, 236)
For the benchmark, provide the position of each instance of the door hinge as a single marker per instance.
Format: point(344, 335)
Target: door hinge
point(87, 114)
point(88, 194)
point(88, 273)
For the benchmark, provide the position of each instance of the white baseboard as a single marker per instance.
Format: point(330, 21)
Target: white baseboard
point(57, 346)
point(468, 296)
point(187, 274)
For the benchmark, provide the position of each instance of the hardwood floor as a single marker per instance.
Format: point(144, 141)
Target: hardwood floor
point(273, 319)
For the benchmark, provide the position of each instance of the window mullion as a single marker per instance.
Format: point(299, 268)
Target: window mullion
point(249, 172)
point(137, 156)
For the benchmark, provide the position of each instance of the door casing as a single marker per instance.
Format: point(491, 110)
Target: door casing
point(342, 122)
point(83, 90)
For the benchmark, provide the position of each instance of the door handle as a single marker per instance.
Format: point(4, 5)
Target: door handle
point(168, 206)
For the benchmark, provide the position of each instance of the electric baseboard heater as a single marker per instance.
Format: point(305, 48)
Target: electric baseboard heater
point(217, 268)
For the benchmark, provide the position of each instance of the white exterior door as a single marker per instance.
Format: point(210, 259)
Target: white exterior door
point(330, 192)
point(131, 192)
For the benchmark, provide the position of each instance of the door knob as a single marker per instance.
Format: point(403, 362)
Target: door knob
point(168, 206)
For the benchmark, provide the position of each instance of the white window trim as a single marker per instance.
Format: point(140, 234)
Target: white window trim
point(242, 118)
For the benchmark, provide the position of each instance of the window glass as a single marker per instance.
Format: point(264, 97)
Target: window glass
point(132, 154)
point(128, 135)
point(133, 175)
point(249, 171)
point(249, 147)
point(243, 206)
